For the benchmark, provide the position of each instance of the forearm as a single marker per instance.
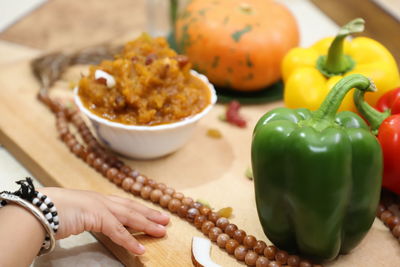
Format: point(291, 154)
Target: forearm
point(21, 236)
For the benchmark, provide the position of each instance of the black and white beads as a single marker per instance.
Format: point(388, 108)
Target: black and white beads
point(3, 203)
point(39, 205)
point(48, 209)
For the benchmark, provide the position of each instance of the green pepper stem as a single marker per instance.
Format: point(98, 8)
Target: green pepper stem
point(336, 62)
point(332, 102)
point(373, 116)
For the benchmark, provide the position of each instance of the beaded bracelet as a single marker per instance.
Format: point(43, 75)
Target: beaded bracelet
point(40, 206)
point(48, 209)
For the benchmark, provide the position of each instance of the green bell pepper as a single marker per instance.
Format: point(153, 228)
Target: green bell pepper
point(317, 175)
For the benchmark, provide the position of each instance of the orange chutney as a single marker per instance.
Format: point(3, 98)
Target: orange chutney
point(153, 86)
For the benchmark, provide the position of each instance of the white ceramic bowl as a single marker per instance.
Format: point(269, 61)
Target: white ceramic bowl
point(146, 142)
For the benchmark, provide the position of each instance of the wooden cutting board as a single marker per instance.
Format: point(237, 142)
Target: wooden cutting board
point(206, 168)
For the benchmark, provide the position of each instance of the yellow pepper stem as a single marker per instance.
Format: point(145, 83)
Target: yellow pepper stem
point(336, 62)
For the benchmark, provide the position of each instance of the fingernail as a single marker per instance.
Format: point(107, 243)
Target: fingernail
point(165, 215)
point(160, 226)
point(142, 249)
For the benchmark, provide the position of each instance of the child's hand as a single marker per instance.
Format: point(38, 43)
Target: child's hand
point(80, 211)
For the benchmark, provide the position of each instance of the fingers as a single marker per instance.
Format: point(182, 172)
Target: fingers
point(112, 228)
point(136, 220)
point(151, 214)
point(107, 214)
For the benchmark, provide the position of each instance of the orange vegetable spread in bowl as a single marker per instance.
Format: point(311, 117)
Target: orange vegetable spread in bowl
point(147, 84)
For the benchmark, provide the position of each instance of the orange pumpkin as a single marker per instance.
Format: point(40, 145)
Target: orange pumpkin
point(237, 43)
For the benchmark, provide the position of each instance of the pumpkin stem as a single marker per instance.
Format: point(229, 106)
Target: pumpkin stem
point(173, 12)
point(336, 62)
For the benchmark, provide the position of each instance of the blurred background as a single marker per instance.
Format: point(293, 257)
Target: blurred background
point(56, 24)
point(32, 27)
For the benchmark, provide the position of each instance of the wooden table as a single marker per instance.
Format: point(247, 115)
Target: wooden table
point(205, 168)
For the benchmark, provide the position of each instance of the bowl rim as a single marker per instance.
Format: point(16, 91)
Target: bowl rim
point(172, 125)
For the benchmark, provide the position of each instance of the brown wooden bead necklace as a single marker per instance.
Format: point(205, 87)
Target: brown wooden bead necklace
point(236, 242)
point(388, 212)
point(218, 229)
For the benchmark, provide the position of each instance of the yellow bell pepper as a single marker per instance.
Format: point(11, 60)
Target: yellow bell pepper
point(310, 73)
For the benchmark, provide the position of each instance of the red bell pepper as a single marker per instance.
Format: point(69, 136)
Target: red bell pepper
point(385, 123)
point(390, 101)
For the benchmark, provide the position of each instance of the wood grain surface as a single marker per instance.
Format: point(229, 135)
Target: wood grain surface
point(205, 168)
point(58, 24)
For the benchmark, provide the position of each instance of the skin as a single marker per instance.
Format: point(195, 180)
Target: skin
point(22, 234)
